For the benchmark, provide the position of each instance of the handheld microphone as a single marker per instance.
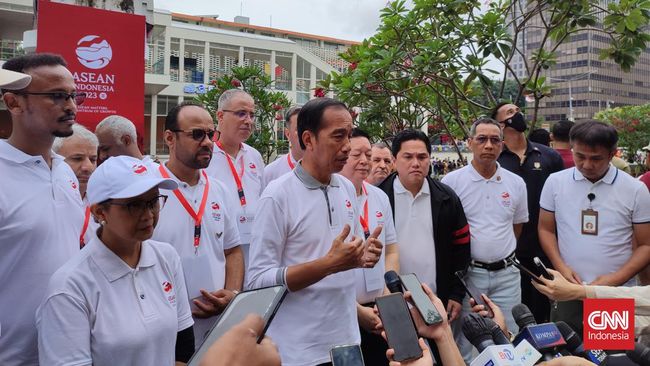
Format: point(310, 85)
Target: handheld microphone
point(477, 332)
point(544, 337)
point(497, 334)
point(393, 283)
point(575, 346)
point(640, 354)
point(523, 316)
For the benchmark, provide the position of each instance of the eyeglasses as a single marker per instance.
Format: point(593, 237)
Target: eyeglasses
point(242, 114)
point(198, 134)
point(137, 208)
point(483, 139)
point(59, 97)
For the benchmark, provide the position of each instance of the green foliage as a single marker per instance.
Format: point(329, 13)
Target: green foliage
point(268, 105)
point(632, 124)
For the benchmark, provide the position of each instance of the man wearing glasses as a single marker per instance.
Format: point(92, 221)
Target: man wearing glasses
point(235, 164)
point(41, 212)
point(495, 204)
point(196, 220)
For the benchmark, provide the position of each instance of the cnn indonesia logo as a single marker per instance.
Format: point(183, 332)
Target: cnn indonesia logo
point(608, 324)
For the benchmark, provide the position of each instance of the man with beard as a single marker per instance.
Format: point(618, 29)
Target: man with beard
point(41, 212)
point(196, 220)
point(381, 163)
point(117, 136)
point(80, 152)
point(235, 164)
point(285, 163)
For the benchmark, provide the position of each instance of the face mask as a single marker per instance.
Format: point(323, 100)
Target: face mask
point(516, 122)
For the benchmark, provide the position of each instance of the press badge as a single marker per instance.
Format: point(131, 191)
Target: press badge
point(198, 275)
point(589, 222)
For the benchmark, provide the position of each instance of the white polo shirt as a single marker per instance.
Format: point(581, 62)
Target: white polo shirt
point(370, 281)
point(297, 221)
point(278, 168)
point(414, 226)
point(491, 206)
point(250, 167)
point(100, 311)
point(205, 268)
point(41, 214)
point(620, 201)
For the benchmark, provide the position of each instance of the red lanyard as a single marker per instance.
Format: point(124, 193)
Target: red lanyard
point(196, 216)
point(364, 219)
point(291, 164)
point(82, 241)
point(237, 177)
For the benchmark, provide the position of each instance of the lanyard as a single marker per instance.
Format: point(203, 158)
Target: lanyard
point(291, 164)
point(82, 242)
point(237, 177)
point(196, 216)
point(364, 219)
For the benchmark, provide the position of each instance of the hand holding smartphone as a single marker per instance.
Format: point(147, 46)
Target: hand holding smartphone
point(398, 325)
point(421, 301)
point(473, 293)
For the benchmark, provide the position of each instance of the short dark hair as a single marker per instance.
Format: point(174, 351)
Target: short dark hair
point(171, 121)
point(291, 112)
point(541, 136)
point(26, 62)
point(561, 130)
point(496, 108)
point(311, 114)
point(594, 133)
point(408, 135)
point(357, 132)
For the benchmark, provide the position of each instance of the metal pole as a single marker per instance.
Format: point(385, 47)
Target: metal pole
point(570, 102)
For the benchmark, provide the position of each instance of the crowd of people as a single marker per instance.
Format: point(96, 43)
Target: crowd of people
point(110, 258)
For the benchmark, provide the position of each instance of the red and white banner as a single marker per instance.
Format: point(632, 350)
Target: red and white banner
point(105, 54)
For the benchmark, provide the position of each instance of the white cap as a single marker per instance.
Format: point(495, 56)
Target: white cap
point(123, 177)
point(13, 80)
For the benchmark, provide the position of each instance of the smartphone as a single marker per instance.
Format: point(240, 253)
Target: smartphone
point(528, 272)
point(422, 302)
point(346, 355)
point(262, 301)
point(542, 268)
point(473, 293)
point(399, 327)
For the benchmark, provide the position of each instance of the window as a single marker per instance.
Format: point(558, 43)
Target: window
point(283, 62)
point(223, 58)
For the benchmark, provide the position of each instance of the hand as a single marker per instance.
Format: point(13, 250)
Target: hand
point(609, 279)
point(238, 347)
point(453, 309)
point(569, 274)
point(498, 317)
point(425, 360)
point(344, 256)
point(216, 303)
point(373, 248)
point(368, 320)
point(568, 361)
point(559, 288)
point(435, 331)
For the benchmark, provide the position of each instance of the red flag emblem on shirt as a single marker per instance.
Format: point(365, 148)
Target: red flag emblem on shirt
point(348, 204)
point(139, 169)
point(252, 166)
point(379, 214)
point(215, 206)
point(167, 286)
point(73, 184)
point(505, 195)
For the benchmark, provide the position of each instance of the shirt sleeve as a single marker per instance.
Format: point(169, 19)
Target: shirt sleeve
point(182, 300)
point(389, 224)
point(641, 213)
point(63, 331)
point(547, 198)
point(521, 212)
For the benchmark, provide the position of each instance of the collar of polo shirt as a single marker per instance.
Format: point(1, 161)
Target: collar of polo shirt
point(476, 177)
point(113, 267)
point(311, 182)
point(17, 156)
point(399, 187)
point(609, 178)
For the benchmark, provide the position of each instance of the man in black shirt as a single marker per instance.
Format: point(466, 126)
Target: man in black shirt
point(533, 162)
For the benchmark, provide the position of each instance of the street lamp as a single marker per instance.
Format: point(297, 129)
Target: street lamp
point(569, 80)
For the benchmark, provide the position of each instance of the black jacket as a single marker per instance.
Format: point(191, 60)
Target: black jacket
point(451, 235)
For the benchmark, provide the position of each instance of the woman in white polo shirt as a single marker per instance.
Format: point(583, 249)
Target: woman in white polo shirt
point(121, 300)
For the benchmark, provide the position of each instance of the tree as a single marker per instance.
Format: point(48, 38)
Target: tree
point(424, 64)
point(268, 105)
point(632, 124)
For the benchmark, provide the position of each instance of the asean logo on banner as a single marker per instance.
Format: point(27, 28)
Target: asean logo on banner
point(608, 324)
point(94, 52)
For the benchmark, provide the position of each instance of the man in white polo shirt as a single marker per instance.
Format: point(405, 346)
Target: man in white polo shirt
point(235, 164)
point(374, 211)
point(80, 152)
point(286, 162)
point(40, 206)
point(496, 206)
point(196, 219)
point(308, 237)
point(117, 136)
point(595, 210)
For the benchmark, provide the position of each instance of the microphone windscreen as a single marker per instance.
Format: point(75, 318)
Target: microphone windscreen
point(522, 315)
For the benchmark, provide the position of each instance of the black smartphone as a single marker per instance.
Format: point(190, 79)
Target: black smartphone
point(399, 327)
point(421, 301)
point(473, 292)
point(262, 301)
point(528, 272)
point(542, 268)
point(347, 355)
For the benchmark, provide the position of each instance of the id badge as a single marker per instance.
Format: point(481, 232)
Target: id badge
point(198, 275)
point(374, 278)
point(589, 222)
point(245, 226)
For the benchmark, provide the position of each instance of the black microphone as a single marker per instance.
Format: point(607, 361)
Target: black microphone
point(477, 332)
point(640, 354)
point(393, 282)
point(523, 316)
point(575, 346)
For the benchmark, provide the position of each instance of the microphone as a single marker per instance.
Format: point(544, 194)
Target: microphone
point(497, 334)
point(544, 337)
point(393, 282)
point(523, 316)
point(477, 332)
point(640, 354)
point(497, 355)
point(575, 346)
